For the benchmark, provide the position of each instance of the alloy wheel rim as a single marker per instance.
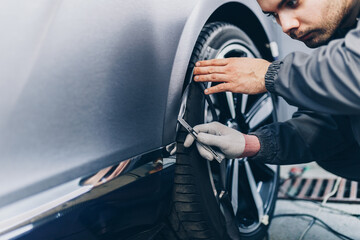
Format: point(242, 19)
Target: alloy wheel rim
point(244, 180)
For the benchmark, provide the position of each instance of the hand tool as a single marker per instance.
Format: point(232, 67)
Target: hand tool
point(215, 154)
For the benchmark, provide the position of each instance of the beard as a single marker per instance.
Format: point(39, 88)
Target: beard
point(325, 30)
point(314, 38)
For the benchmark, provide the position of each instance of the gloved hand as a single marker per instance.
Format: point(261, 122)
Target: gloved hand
point(229, 141)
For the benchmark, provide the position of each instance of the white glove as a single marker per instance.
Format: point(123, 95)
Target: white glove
point(229, 141)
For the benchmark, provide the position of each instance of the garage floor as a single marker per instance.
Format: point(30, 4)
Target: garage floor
point(291, 228)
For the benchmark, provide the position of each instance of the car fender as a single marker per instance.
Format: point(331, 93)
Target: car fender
point(197, 19)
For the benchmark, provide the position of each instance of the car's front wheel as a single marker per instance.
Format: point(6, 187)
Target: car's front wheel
point(234, 199)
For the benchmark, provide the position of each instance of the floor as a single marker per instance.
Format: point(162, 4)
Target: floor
point(292, 228)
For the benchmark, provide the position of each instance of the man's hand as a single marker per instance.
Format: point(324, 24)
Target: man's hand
point(237, 75)
point(229, 141)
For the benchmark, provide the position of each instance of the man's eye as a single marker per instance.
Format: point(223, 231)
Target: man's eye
point(292, 3)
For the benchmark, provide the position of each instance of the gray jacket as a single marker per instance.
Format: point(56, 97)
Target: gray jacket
point(326, 87)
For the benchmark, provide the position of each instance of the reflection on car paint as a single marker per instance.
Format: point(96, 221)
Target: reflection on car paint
point(103, 182)
point(110, 173)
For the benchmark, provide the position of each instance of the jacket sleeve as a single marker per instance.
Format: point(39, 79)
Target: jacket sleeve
point(327, 81)
point(307, 137)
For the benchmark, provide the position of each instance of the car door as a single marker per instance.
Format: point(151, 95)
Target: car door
point(83, 86)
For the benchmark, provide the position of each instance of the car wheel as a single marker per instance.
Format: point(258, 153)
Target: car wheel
point(234, 199)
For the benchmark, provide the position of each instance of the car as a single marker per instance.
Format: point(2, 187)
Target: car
point(89, 100)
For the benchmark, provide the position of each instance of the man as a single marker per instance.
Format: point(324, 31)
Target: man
point(324, 85)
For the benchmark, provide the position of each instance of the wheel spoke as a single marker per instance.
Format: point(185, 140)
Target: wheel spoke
point(255, 194)
point(250, 205)
point(230, 101)
point(244, 99)
point(260, 111)
point(235, 185)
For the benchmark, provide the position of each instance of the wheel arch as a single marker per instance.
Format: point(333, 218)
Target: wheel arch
point(235, 13)
point(257, 26)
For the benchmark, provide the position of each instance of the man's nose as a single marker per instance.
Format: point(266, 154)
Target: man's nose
point(288, 22)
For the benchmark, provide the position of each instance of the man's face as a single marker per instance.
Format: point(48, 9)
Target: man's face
point(310, 21)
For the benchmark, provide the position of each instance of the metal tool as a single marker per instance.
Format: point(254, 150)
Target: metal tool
point(216, 155)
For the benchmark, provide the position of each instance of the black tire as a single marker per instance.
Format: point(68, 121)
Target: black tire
point(199, 209)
